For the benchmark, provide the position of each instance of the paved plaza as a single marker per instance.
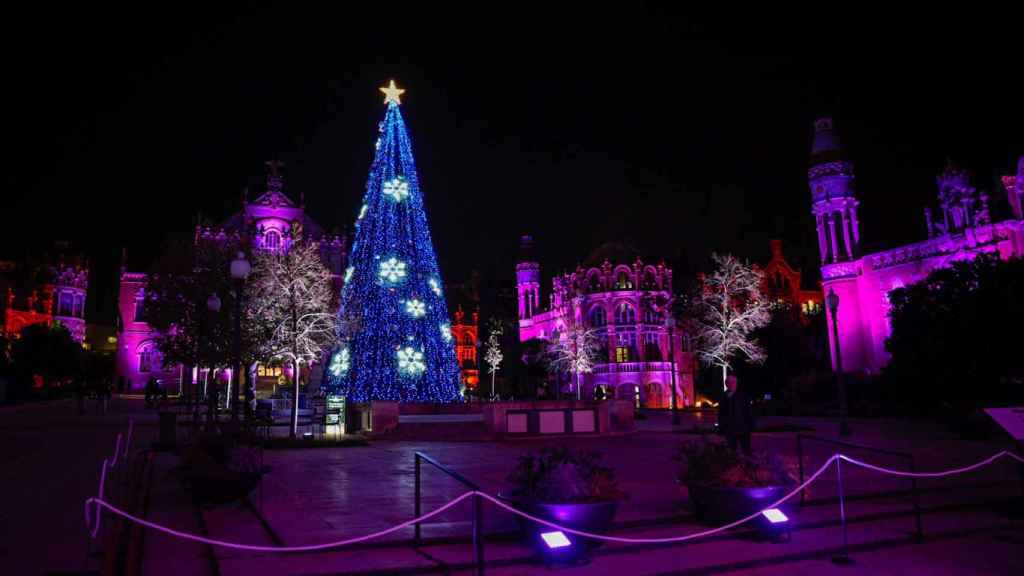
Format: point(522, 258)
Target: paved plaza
point(318, 495)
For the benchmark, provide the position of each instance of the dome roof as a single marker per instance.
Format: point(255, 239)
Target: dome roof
point(614, 252)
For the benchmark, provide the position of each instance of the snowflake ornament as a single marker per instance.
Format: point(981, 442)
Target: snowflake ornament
point(397, 189)
point(362, 212)
point(446, 331)
point(348, 273)
point(415, 308)
point(435, 286)
point(340, 362)
point(392, 270)
point(410, 361)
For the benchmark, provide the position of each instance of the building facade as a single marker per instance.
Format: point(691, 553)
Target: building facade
point(961, 229)
point(51, 292)
point(465, 334)
point(265, 223)
point(617, 294)
point(783, 284)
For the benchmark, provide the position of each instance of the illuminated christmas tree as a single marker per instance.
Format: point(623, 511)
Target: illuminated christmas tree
point(396, 341)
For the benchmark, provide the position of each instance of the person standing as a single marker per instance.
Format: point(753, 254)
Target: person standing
point(736, 416)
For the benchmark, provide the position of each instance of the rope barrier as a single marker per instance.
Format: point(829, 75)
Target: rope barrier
point(100, 504)
point(942, 474)
point(256, 548)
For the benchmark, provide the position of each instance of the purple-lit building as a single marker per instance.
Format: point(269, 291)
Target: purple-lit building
point(960, 229)
point(612, 291)
point(263, 224)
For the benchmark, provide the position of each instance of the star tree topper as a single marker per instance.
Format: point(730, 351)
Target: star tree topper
point(392, 93)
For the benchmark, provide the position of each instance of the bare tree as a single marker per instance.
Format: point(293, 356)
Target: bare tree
point(290, 309)
point(728, 307)
point(493, 356)
point(575, 351)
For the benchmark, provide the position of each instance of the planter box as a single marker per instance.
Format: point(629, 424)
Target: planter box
point(717, 505)
point(594, 517)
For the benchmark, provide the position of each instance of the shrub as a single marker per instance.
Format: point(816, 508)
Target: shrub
point(714, 464)
point(562, 476)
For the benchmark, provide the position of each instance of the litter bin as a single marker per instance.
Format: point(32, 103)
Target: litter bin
point(168, 429)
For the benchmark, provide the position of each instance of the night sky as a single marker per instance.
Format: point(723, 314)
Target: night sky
point(678, 132)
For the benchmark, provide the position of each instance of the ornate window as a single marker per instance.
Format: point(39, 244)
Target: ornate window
point(598, 318)
point(79, 306)
point(650, 280)
point(650, 316)
point(264, 370)
point(652, 352)
point(594, 282)
point(272, 240)
point(623, 281)
point(625, 348)
point(146, 357)
point(65, 304)
point(467, 339)
point(625, 314)
point(140, 309)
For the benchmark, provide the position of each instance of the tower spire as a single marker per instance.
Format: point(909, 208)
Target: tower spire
point(832, 193)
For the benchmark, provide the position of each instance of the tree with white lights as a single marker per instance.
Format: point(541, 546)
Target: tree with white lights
point(728, 307)
point(576, 351)
point(493, 356)
point(291, 309)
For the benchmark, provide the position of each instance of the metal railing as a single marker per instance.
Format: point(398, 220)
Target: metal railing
point(800, 438)
point(478, 507)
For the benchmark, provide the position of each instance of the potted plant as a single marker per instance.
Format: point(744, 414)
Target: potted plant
point(724, 485)
point(571, 488)
point(217, 470)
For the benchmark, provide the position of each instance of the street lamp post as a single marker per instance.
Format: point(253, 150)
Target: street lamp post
point(240, 269)
point(213, 305)
point(670, 323)
point(832, 301)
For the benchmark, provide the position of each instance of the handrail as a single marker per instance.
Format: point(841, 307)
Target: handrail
point(465, 481)
point(478, 508)
point(919, 534)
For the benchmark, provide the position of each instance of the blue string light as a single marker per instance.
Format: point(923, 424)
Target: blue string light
point(393, 288)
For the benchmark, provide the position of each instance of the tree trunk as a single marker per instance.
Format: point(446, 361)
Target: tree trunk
point(295, 370)
point(295, 400)
point(724, 376)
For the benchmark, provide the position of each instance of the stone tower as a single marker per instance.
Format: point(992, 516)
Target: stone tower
point(527, 279)
point(833, 199)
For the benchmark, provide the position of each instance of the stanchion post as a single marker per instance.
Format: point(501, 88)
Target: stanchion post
point(478, 533)
point(919, 534)
point(800, 464)
point(843, 559)
point(416, 499)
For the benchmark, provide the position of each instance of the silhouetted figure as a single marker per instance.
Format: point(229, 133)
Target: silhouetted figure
point(736, 416)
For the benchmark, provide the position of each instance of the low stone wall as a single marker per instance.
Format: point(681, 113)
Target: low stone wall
point(612, 415)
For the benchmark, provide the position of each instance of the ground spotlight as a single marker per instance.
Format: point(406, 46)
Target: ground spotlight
point(774, 524)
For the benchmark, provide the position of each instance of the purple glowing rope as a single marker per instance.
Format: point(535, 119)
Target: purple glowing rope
point(128, 442)
point(100, 503)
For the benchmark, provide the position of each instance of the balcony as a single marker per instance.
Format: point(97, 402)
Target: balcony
point(632, 367)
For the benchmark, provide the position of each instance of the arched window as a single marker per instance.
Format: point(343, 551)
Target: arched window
point(146, 357)
point(467, 339)
point(79, 306)
point(650, 316)
point(623, 282)
point(650, 280)
point(272, 240)
point(625, 314)
point(598, 318)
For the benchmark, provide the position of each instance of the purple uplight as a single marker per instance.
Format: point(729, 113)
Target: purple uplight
point(775, 516)
point(555, 539)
